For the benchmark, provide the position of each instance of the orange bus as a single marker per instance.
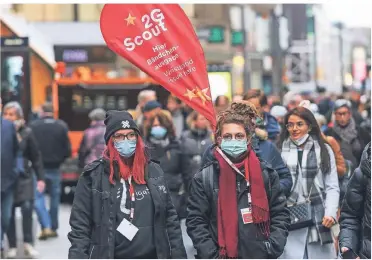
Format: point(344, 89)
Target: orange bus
point(73, 99)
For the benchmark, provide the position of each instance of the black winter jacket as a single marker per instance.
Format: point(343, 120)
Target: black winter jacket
point(355, 219)
point(32, 164)
point(53, 141)
point(353, 156)
point(193, 146)
point(201, 221)
point(94, 210)
point(169, 158)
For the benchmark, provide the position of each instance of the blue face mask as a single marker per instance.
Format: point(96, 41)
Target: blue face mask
point(234, 148)
point(158, 132)
point(126, 148)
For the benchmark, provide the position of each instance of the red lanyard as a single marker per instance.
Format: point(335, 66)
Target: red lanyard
point(132, 198)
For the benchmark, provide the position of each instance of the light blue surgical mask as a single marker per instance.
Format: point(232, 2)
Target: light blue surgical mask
point(158, 132)
point(126, 148)
point(233, 147)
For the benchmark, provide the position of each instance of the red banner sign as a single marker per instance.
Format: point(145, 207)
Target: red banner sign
point(160, 40)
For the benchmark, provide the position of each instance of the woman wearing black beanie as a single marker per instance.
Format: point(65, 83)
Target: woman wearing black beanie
point(122, 207)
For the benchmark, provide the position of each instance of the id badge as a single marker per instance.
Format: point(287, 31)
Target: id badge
point(127, 229)
point(247, 215)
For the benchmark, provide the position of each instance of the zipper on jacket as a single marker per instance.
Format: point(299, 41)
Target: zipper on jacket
point(238, 186)
point(170, 248)
point(91, 251)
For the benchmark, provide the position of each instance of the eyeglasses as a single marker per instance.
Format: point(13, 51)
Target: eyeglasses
point(339, 114)
point(229, 137)
point(120, 137)
point(299, 125)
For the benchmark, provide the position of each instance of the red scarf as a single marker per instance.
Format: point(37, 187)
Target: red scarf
point(227, 217)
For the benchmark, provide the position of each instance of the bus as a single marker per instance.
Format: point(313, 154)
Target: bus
point(73, 99)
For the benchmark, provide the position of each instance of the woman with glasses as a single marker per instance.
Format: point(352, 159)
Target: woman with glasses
point(312, 165)
point(236, 208)
point(165, 148)
point(122, 207)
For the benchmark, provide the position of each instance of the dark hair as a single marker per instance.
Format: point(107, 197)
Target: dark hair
point(218, 100)
point(256, 93)
point(164, 121)
point(315, 133)
point(47, 107)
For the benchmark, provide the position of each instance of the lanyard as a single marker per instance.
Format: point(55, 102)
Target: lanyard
point(132, 198)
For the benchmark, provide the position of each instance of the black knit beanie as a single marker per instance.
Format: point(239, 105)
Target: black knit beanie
point(116, 120)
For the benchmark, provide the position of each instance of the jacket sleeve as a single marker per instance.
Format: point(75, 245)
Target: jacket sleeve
point(352, 212)
point(185, 165)
point(80, 220)
point(35, 156)
point(281, 168)
point(174, 232)
point(82, 152)
point(332, 188)
point(340, 162)
point(279, 218)
point(198, 219)
point(67, 142)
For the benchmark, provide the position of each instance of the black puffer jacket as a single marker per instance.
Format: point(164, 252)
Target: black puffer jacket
point(193, 145)
point(32, 164)
point(355, 220)
point(93, 214)
point(169, 158)
point(201, 221)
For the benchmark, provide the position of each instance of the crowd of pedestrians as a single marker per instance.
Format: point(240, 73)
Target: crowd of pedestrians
point(145, 170)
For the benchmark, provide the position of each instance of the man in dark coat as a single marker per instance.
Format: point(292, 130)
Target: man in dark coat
point(355, 220)
point(9, 150)
point(348, 133)
point(54, 143)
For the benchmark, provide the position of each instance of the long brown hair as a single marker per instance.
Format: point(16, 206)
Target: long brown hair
point(135, 166)
point(165, 121)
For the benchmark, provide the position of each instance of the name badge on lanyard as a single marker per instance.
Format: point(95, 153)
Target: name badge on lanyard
point(247, 215)
point(126, 228)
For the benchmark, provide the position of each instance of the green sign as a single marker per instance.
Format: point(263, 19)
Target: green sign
point(216, 34)
point(237, 38)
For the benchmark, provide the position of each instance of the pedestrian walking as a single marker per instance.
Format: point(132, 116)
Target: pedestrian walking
point(355, 220)
point(311, 162)
point(236, 208)
point(93, 143)
point(28, 154)
point(174, 105)
point(351, 137)
point(9, 176)
point(269, 125)
point(52, 137)
point(165, 148)
point(194, 143)
point(122, 206)
point(266, 151)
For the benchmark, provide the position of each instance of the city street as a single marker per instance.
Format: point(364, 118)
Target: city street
point(57, 248)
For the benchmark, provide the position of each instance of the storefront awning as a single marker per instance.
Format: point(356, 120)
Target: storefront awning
point(71, 33)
